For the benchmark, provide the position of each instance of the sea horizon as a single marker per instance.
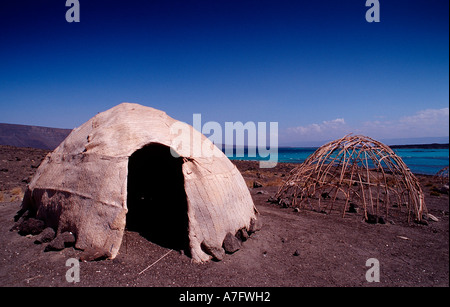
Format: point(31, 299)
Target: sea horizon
point(419, 159)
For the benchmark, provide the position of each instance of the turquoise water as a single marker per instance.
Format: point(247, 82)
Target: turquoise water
point(420, 161)
point(424, 161)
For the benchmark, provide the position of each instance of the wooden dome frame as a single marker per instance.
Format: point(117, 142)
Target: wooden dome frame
point(357, 169)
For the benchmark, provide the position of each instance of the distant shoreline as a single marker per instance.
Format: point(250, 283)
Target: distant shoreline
point(422, 146)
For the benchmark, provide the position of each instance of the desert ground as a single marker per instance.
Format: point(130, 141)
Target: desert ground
point(292, 249)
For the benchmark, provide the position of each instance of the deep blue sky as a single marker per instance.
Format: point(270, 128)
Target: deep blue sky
point(315, 67)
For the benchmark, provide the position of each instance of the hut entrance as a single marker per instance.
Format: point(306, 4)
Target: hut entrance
point(157, 205)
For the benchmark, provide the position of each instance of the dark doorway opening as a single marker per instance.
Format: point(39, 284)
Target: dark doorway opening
point(157, 205)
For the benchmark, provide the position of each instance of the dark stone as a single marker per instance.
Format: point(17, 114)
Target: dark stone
point(296, 253)
point(371, 219)
point(21, 215)
point(19, 218)
point(285, 202)
point(68, 238)
point(94, 254)
point(27, 179)
point(216, 252)
point(63, 240)
point(46, 236)
point(325, 195)
point(422, 222)
point(444, 189)
point(255, 225)
point(31, 226)
point(242, 234)
point(353, 208)
point(257, 184)
point(273, 200)
point(56, 244)
point(231, 244)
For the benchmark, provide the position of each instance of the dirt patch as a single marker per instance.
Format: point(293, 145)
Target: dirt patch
point(292, 249)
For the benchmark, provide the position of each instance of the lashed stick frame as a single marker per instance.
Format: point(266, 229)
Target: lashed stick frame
point(442, 175)
point(359, 172)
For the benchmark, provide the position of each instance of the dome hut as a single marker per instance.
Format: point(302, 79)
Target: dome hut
point(131, 166)
point(354, 174)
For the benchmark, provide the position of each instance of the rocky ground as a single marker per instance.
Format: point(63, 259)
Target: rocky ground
point(292, 249)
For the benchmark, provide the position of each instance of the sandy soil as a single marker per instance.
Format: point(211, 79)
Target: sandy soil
point(292, 249)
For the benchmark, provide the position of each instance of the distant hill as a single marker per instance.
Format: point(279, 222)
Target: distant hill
point(32, 136)
point(50, 138)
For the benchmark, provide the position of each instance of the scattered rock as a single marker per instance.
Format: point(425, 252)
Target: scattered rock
point(374, 219)
point(5, 170)
point(56, 244)
point(436, 191)
point(273, 200)
point(94, 254)
point(422, 222)
point(19, 218)
point(21, 215)
point(381, 220)
point(31, 226)
point(353, 208)
point(296, 209)
point(68, 238)
point(257, 184)
point(27, 179)
point(285, 202)
point(296, 253)
point(63, 240)
point(46, 236)
point(242, 234)
point(262, 192)
point(255, 225)
point(231, 244)
point(325, 195)
point(216, 252)
point(371, 219)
